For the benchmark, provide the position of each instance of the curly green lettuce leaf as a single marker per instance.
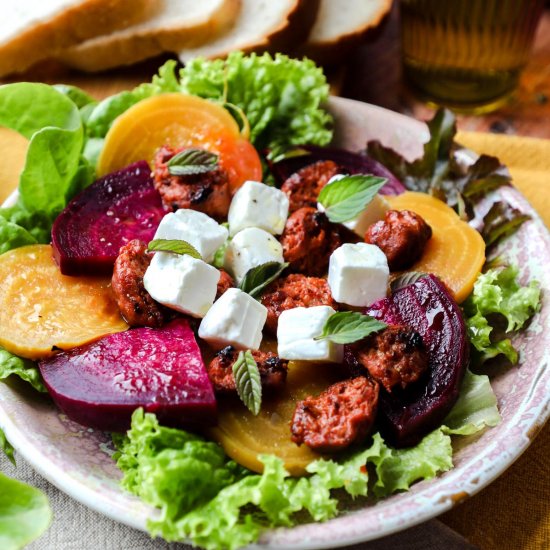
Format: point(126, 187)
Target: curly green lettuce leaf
point(499, 294)
point(25, 513)
point(398, 469)
point(476, 408)
point(23, 368)
point(7, 447)
point(281, 97)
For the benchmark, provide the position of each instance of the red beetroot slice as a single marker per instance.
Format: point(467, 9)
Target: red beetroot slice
point(428, 307)
point(101, 384)
point(117, 208)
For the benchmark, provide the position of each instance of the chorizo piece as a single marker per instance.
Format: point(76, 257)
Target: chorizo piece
point(303, 187)
point(225, 283)
point(135, 303)
point(295, 290)
point(394, 357)
point(208, 192)
point(272, 369)
point(308, 240)
point(343, 414)
point(402, 236)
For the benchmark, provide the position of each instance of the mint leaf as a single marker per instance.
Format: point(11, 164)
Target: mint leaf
point(192, 161)
point(174, 245)
point(257, 278)
point(347, 197)
point(247, 380)
point(346, 327)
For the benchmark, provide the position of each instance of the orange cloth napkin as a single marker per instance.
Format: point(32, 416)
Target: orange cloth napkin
point(513, 513)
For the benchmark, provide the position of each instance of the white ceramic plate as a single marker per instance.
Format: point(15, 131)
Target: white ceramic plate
point(77, 460)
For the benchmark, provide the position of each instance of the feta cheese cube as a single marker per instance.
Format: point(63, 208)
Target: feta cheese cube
point(258, 205)
point(249, 248)
point(236, 319)
point(198, 229)
point(296, 331)
point(358, 274)
point(182, 282)
point(373, 212)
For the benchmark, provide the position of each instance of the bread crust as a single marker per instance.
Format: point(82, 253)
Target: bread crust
point(331, 52)
point(123, 49)
point(73, 25)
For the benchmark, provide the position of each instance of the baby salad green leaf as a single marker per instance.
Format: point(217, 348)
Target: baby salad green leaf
point(7, 447)
point(247, 380)
point(344, 199)
point(501, 220)
point(257, 278)
point(476, 408)
point(24, 368)
point(174, 245)
point(192, 161)
point(78, 96)
point(24, 513)
point(345, 327)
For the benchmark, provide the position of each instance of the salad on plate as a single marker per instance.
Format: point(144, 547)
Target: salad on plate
point(268, 326)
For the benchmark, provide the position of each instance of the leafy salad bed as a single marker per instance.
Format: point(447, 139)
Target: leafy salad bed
point(201, 493)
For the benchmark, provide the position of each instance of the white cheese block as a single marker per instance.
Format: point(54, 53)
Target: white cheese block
point(358, 274)
point(236, 319)
point(296, 331)
point(373, 212)
point(258, 205)
point(198, 229)
point(182, 282)
point(249, 248)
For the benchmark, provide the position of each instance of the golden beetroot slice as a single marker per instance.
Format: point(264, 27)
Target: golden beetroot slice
point(41, 309)
point(101, 384)
point(116, 209)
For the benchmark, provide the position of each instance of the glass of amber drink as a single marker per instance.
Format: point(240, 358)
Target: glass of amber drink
point(467, 54)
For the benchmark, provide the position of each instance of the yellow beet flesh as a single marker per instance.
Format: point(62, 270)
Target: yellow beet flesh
point(177, 120)
point(456, 251)
point(14, 151)
point(244, 436)
point(41, 309)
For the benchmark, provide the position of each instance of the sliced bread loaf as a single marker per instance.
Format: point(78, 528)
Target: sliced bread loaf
point(175, 25)
point(261, 25)
point(339, 26)
point(32, 30)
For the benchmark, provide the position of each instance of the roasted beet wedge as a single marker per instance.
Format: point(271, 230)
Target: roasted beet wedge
point(348, 162)
point(428, 307)
point(117, 208)
point(101, 384)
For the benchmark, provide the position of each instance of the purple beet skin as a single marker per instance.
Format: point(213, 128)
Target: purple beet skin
point(353, 163)
point(427, 306)
point(117, 208)
point(101, 384)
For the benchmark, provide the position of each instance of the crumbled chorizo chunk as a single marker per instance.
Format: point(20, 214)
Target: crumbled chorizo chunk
point(135, 303)
point(394, 357)
point(208, 192)
point(343, 414)
point(308, 240)
point(303, 187)
point(295, 290)
point(272, 369)
point(225, 283)
point(402, 236)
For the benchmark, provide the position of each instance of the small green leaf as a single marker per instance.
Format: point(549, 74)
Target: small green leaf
point(406, 279)
point(346, 327)
point(174, 245)
point(501, 221)
point(257, 278)
point(7, 447)
point(345, 198)
point(247, 380)
point(192, 161)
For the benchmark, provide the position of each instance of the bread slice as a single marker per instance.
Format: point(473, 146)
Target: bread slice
point(175, 25)
point(341, 25)
point(32, 30)
point(261, 25)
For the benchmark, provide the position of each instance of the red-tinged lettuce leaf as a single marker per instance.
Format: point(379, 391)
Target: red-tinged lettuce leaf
point(501, 220)
point(350, 163)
